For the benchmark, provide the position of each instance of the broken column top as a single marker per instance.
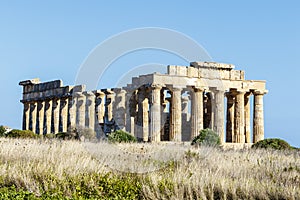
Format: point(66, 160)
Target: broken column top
point(30, 82)
point(212, 65)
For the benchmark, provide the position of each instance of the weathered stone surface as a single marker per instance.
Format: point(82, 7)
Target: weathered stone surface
point(173, 106)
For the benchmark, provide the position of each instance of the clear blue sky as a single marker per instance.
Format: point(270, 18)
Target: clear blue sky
point(51, 39)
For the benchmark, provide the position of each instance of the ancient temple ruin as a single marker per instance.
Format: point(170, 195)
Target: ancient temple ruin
point(155, 107)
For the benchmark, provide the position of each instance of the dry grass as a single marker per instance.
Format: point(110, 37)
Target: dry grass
point(166, 171)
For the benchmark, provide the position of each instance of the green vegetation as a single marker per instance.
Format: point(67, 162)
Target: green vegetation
point(272, 143)
point(2, 131)
point(21, 134)
point(121, 136)
point(35, 169)
point(207, 137)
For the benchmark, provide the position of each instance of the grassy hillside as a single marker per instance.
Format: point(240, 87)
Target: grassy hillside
point(50, 169)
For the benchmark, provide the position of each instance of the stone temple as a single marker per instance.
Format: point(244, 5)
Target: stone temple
point(155, 107)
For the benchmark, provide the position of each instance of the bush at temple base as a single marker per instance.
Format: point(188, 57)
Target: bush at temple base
point(272, 143)
point(207, 137)
point(21, 134)
point(121, 136)
point(2, 131)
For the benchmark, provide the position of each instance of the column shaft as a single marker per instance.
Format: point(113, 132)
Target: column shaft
point(100, 107)
point(80, 119)
point(219, 114)
point(155, 113)
point(145, 120)
point(119, 110)
point(72, 101)
point(175, 131)
point(258, 117)
point(90, 110)
point(64, 115)
point(230, 118)
point(41, 114)
point(239, 128)
point(26, 114)
point(33, 116)
point(48, 116)
point(55, 114)
point(247, 118)
point(197, 112)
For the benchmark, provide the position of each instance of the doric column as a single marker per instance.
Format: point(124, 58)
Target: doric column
point(219, 113)
point(26, 113)
point(72, 101)
point(247, 117)
point(239, 128)
point(48, 116)
point(33, 115)
point(90, 110)
point(196, 111)
point(110, 97)
point(80, 120)
point(155, 113)
point(100, 106)
point(41, 114)
point(130, 110)
point(120, 108)
point(55, 111)
point(230, 118)
point(145, 105)
point(258, 117)
point(139, 119)
point(175, 128)
point(63, 115)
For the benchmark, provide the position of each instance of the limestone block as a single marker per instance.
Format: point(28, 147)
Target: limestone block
point(181, 70)
point(171, 69)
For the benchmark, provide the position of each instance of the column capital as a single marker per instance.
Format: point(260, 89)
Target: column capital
point(260, 92)
point(238, 92)
point(198, 89)
point(156, 86)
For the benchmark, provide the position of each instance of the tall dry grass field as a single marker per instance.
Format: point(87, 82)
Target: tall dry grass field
point(70, 169)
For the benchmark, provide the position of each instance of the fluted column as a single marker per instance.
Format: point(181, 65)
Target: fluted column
point(130, 110)
point(155, 113)
point(48, 116)
point(139, 119)
point(119, 110)
point(33, 115)
point(247, 117)
point(176, 122)
point(196, 111)
point(55, 111)
point(26, 114)
point(239, 129)
point(230, 118)
point(90, 111)
point(100, 107)
point(110, 97)
point(72, 101)
point(63, 115)
point(258, 117)
point(41, 114)
point(219, 113)
point(145, 105)
point(80, 121)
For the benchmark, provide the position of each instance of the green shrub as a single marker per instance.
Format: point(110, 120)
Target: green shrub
point(121, 136)
point(2, 131)
point(207, 137)
point(66, 136)
point(272, 143)
point(21, 134)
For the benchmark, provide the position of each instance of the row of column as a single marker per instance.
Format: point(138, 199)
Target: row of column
point(89, 109)
point(58, 114)
point(238, 128)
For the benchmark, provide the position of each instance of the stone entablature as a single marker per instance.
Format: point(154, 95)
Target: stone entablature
point(154, 107)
